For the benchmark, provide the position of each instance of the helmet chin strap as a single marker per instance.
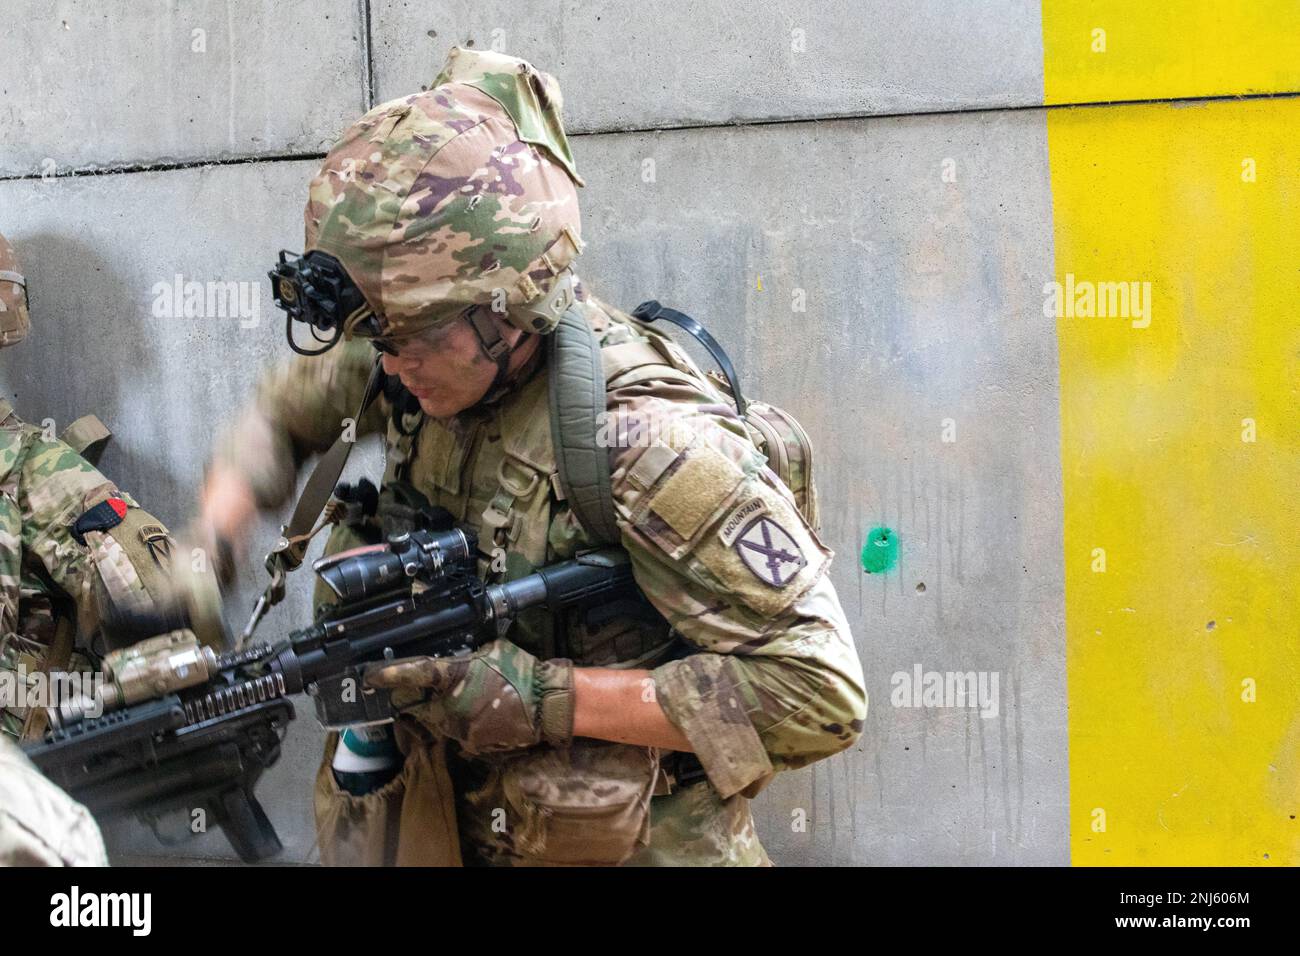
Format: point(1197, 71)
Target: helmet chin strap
point(542, 316)
point(494, 347)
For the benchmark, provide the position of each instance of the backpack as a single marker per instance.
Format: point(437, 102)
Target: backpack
point(577, 397)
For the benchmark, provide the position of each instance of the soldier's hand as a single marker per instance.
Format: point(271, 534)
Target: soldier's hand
point(498, 698)
point(204, 547)
point(200, 570)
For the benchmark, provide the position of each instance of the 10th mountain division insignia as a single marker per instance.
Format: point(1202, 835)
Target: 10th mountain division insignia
point(769, 552)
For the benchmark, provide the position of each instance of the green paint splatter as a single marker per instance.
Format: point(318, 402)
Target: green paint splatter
point(880, 553)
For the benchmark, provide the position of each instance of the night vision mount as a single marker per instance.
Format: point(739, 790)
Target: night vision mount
point(315, 289)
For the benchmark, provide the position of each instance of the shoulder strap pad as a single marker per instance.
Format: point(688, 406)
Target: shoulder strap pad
point(577, 397)
point(88, 437)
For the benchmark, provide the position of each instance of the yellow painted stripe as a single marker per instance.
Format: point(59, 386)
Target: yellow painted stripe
point(1200, 529)
point(1171, 48)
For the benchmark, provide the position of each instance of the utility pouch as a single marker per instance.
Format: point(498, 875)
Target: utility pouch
point(583, 805)
point(409, 821)
point(356, 830)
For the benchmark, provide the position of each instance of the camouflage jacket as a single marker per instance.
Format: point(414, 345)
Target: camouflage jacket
point(45, 488)
point(769, 678)
point(40, 825)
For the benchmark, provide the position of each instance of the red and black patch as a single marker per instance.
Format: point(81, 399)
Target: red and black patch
point(107, 514)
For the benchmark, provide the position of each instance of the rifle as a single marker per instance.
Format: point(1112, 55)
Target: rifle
point(179, 726)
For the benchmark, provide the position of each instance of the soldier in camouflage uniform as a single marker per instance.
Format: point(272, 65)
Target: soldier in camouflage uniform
point(636, 741)
point(76, 554)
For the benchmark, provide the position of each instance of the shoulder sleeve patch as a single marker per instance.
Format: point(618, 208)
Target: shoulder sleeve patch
point(762, 553)
point(769, 551)
point(740, 519)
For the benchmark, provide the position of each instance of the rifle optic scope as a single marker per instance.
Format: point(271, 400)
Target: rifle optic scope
point(426, 556)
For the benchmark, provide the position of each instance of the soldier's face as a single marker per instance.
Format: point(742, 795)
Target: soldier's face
point(446, 370)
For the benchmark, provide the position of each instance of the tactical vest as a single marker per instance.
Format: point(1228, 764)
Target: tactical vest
point(495, 469)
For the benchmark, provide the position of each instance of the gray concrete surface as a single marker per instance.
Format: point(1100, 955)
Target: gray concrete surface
point(111, 83)
point(922, 303)
point(94, 249)
point(659, 63)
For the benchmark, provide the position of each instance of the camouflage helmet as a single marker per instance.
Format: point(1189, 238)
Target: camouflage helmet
point(14, 320)
point(460, 196)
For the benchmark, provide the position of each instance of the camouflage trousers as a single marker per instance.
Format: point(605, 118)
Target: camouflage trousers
point(696, 827)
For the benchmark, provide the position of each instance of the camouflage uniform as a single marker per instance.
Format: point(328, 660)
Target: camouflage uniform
point(39, 824)
point(74, 552)
point(111, 561)
point(753, 662)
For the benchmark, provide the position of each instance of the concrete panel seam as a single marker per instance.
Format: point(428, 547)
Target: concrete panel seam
point(973, 111)
point(165, 167)
point(367, 54)
point(830, 117)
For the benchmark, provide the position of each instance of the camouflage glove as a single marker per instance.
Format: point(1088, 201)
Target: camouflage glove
point(498, 698)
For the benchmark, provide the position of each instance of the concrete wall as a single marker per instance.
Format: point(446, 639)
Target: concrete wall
point(863, 202)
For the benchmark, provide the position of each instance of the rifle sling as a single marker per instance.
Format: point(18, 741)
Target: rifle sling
point(325, 476)
point(56, 659)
